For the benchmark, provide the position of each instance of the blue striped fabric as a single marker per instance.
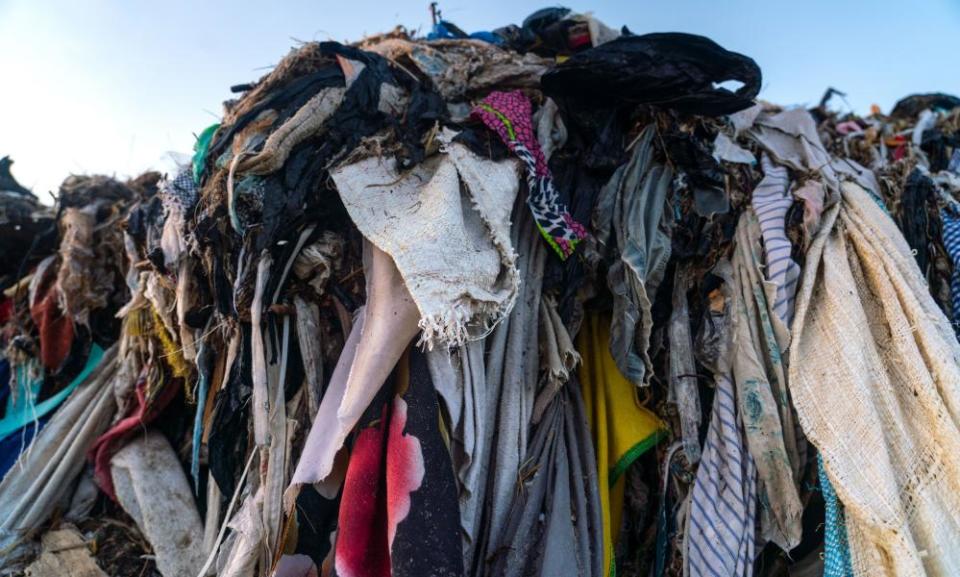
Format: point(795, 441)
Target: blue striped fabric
point(771, 200)
point(722, 526)
point(951, 242)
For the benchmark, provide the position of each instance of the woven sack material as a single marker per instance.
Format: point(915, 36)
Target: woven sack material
point(875, 377)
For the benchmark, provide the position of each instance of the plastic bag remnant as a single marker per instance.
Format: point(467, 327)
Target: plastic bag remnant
point(674, 70)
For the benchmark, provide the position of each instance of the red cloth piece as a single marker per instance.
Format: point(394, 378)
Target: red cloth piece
point(138, 417)
point(54, 327)
point(361, 548)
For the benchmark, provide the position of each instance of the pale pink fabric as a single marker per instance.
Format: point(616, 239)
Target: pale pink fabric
point(383, 330)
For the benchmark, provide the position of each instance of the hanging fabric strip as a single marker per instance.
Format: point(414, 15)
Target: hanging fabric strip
point(509, 115)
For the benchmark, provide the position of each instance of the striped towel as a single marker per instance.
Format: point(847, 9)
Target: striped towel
point(771, 200)
point(721, 531)
point(951, 242)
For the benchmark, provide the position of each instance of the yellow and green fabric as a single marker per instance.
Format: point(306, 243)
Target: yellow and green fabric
point(622, 429)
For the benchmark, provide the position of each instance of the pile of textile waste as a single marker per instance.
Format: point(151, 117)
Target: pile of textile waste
point(545, 300)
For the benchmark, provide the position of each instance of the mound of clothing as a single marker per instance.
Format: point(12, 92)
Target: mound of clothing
point(543, 300)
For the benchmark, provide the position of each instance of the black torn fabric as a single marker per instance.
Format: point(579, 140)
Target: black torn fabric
point(671, 70)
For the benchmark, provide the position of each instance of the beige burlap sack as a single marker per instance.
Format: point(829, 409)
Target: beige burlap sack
point(875, 377)
point(446, 225)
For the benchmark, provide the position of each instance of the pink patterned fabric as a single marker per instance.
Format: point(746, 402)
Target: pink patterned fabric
point(509, 114)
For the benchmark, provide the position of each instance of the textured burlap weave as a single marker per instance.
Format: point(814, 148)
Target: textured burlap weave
point(875, 378)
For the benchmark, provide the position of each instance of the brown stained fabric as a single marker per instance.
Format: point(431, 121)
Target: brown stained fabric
point(874, 367)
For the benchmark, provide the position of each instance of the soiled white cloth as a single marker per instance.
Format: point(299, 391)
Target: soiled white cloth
point(446, 225)
point(875, 378)
point(151, 486)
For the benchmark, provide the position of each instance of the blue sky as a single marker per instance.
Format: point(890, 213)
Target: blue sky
point(111, 86)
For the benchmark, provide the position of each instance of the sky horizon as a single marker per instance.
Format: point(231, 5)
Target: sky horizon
point(111, 87)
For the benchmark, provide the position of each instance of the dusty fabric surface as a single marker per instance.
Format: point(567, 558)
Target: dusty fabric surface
point(872, 351)
point(511, 367)
point(554, 521)
point(152, 488)
point(721, 534)
point(760, 339)
point(555, 524)
point(630, 219)
point(459, 376)
point(64, 554)
point(558, 357)
point(684, 387)
point(445, 225)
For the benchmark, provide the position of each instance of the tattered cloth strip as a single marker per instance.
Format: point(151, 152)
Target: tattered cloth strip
point(558, 357)
point(55, 327)
point(720, 539)
point(759, 339)
point(179, 196)
point(398, 513)
point(509, 115)
point(684, 385)
point(381, 332)
point(631, 221)
point(622, 430)
point(770, 201)
point(91, 253)
point(445, 223)
point(874, 367)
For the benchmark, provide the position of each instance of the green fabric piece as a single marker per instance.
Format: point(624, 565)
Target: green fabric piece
point(200, 150)
point(633, 454)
